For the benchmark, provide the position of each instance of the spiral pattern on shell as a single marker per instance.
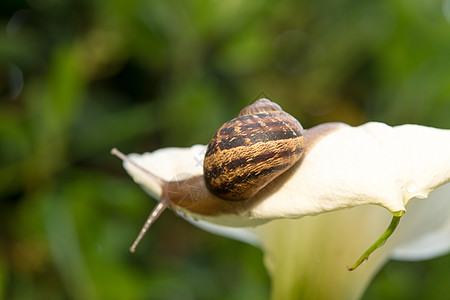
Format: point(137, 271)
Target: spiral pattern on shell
point(249, 151)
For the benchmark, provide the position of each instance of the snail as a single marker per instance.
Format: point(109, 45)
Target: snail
point(244, 155)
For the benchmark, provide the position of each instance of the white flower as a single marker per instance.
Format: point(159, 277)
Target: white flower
point(343, 167)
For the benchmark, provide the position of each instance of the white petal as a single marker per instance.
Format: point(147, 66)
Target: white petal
point(347, 167)
point(424, 231)
point(242, 234)
point(370, 164)
point(169, 163)
point(427, 161)
point(307, 258)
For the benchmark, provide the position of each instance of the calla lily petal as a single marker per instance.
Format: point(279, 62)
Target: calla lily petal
point(425, 229)
point(302, 255)
point(307, 257)
point(427, 161)
point(171, 163)
point(343, 167)
point(242, 234)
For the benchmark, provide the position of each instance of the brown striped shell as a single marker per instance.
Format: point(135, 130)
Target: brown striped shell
point(252, 149)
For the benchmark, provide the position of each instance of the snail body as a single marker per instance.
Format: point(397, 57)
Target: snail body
point(244, 155)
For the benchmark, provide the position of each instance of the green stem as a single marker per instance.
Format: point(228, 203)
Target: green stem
point(380, 242)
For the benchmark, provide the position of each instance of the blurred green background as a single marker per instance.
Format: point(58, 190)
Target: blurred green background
point(79, 77)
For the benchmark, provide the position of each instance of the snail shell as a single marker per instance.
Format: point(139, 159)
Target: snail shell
point(249, 151)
